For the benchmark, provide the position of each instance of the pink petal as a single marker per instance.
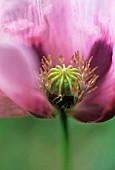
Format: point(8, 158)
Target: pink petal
point(102, 52)
point(18, 65)
point(100, 105)
point(9, 109)
point(62, 27)
point(24, 19)
point(76, 25)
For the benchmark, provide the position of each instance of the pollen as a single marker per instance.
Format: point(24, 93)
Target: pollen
point(65, 86)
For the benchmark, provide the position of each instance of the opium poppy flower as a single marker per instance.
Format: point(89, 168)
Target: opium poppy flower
point(57, 56)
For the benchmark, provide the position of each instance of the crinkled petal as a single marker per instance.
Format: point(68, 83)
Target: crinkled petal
point(18, 65)
point(24, 19)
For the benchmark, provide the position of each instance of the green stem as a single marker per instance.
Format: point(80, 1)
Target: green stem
point(65, 136)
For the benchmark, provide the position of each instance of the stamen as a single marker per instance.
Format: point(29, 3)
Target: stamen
point(66, 86)
point(61, 59)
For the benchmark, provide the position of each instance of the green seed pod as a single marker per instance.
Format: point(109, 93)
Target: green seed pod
point(61, 80)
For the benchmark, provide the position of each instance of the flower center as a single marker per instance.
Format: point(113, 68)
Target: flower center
point(65, 86)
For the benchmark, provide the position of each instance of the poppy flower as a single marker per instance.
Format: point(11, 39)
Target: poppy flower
point(46, 63)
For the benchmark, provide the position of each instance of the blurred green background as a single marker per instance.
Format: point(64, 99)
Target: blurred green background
point(35, 144)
